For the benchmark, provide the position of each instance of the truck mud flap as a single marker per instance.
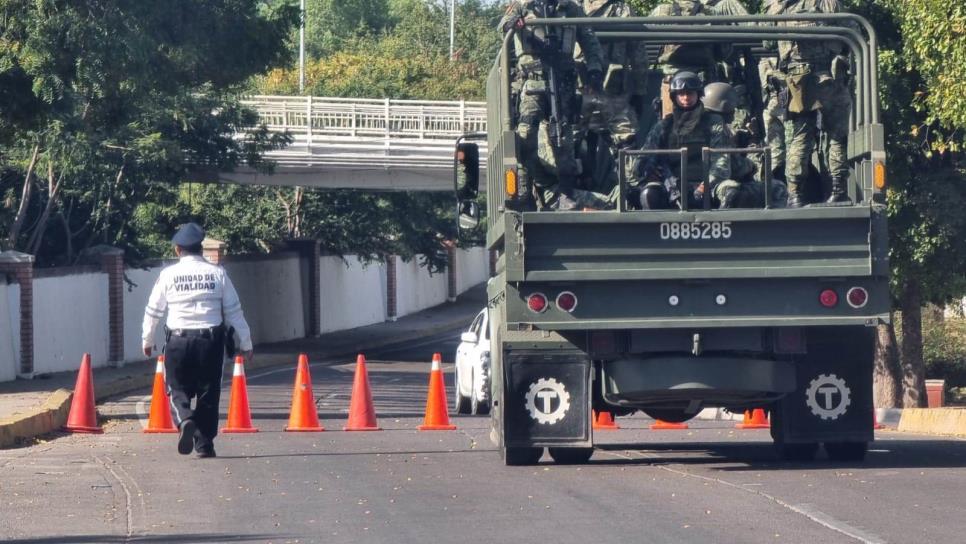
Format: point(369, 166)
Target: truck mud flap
point(547, 399)
point(832, 401)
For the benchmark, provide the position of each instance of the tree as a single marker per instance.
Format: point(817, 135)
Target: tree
point(117, 98)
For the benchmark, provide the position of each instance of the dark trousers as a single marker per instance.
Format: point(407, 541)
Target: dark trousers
point(193, 368)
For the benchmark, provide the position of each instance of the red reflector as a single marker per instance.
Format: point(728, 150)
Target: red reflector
point(828, 298)
point(537, 302)
point(567, 301)
point(857, 297)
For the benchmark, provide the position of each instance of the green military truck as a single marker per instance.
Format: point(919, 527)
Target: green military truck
point(671, 312)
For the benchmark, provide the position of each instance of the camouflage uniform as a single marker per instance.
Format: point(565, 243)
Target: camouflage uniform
point(610, 111)
point(694, 130)
point(775, 112)
point(541, 160)
point(814, 90)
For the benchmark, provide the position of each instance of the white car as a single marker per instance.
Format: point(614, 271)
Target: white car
point(472, 375)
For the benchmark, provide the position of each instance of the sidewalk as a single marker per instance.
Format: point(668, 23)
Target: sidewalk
point(30, 408)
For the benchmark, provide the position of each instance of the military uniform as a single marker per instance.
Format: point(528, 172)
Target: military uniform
point(610, 111)
point(694, 129)
point(546, 162)
point(775, 111)
point(202, 307)
point(817, 89)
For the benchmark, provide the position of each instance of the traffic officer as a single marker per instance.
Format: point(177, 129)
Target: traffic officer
point(202, 306)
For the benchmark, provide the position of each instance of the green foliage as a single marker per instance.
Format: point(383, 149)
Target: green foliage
point(944, 350)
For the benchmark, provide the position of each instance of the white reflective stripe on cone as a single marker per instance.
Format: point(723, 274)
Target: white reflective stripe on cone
point(159, 369)
point(239, 370)
point(435, 365)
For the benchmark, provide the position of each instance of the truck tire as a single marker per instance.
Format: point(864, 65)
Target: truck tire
point(847, 452)
point(802, 453)
point(570, 456)
point(522, 456)
point(461, 404)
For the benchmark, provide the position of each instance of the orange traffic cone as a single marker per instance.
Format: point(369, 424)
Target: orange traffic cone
point(159, 420)
point(239, 414)
point(757, 420)
point(604, 421)
point(303, 417)
point(436, 418)
point(660, 425)
point(362, 414)
point(82, 417)
point(875, 421)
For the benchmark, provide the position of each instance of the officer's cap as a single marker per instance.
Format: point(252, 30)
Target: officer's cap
point(190, 234)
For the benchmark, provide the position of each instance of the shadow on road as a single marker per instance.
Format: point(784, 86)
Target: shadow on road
point(213, 537)
point(351, 453)
point(925, 453)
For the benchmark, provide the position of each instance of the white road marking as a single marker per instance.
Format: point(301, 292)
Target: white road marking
point(808, 511)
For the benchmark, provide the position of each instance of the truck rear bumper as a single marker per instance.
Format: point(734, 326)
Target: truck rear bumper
point(671, 381)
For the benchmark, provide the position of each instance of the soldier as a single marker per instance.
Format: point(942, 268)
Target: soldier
point(612, 111)
point(745, 188)
point(775, 112)
point(816, 74)
point(699, 58)
point(689, 126)
point(546, 79)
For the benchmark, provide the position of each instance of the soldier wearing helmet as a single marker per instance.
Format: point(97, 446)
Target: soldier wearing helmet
point(744, 189)
point(690, 125)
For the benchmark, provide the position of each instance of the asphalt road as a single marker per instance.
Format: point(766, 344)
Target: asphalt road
point(711, 483)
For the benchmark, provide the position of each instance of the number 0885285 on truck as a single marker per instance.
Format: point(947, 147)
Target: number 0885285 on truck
point(673, 311)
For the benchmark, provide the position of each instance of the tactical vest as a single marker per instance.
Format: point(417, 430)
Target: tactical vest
point(527, 54)
point(814, 53)
point(694, 141)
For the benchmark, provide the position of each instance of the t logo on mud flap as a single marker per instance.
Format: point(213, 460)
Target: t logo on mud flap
point(828, 397)
point(547, 401)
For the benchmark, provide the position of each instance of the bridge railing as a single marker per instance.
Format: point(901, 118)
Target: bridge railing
point(308, 118)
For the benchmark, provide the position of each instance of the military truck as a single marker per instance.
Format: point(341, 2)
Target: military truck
point(672, 312)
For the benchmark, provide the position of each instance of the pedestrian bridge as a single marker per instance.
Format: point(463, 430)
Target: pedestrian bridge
point(382, 144)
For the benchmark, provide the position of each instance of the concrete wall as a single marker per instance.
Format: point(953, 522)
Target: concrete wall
point(353, 294)
point(70, 319)
point(270, 290)
point(135, 299)
point(9, 329)
point(416, 290)
point(472, 268)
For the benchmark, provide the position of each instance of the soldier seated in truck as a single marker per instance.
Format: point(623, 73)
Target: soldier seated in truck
point(691, 126)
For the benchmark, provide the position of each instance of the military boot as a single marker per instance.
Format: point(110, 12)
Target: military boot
point(839, 192)
point(565, 203)
point(795, 198)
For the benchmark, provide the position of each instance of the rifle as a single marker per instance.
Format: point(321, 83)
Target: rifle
point(753, 88)
point(550, 52)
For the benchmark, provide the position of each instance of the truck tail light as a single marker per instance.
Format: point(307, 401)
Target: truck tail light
point(857, 297)
point(828, 298)
point(537, 302)
point(567, 301)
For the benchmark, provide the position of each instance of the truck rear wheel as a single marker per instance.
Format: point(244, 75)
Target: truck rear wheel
point(571, 456)
point(846, 451)
point(522, 456)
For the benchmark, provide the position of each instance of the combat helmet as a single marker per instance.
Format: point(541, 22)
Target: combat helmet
point(720, 98)
point(686, 81)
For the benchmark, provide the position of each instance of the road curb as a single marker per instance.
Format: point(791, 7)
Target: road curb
point(53, 413)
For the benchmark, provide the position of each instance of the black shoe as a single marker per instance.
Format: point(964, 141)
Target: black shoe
point(206, 452)
point(836, 198)
point(187, 438)
point(794, 201)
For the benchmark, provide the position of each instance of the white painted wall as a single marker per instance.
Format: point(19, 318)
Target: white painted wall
point(70, 319)
point(472, 268)
point(135, 299)
point(415, 289)
point(271, 296)
point(353, 294)
point(9, 330)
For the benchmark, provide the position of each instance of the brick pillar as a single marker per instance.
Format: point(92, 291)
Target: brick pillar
point(450, 271)
point(391, 288)
point(213, 250)
point(311, 251)
point(21, 267)
point(492, 253)
point(112, 262)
